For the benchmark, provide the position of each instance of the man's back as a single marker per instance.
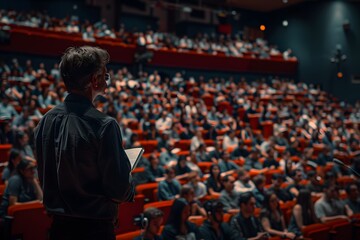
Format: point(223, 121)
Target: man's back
point(82, 165)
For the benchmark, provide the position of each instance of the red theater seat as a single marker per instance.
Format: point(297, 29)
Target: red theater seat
point(164, 206)
point(127, 212)
point(341, 229)
point(128, 235)
point(28, 221)
point(4, 152)
point(316, 231)
point(147, 189)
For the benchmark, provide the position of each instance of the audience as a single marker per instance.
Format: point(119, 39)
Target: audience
point(214, 228)
point(22, 187)
point(155, 219)
point(229, 198)
point(169, 188)
point(177, 225)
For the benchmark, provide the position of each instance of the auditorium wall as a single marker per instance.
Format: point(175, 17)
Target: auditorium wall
point(314, 29)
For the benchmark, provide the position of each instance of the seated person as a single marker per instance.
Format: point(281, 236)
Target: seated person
point(303, 213)
point(214, 228)
point(329, 207)
point(294, 188)
point(281, 193)
point(259, 190)
point(181, 169)
point(240, 151)
point(155, 218)
point(154, 172)
point(229, 198)
point(270, 161)
point(177, 225)
point(272, 218)
point(244, 184)
point(314, 186)
point(353, 200)
point(245, 225)
point(198, 186)
point(252, 161)
point(226, 164)
point(188, 194)
point(14, 159)
point(170, 187)
point(22, 187)
point(214, 184)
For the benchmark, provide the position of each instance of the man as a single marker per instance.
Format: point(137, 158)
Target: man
point(170, 187)
point(329, 207)
point(229, 197)
point(294, 188)
point(245, 225)
point(353, 200)
point(244, 183)
point(226, 164)
point(83, 169)
point(214, 228)
point(154, 218)
point(281, 193)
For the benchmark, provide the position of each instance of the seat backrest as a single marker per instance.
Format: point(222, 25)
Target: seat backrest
point(342, 229)
point(128, 235)
point(30, 221)
point(164, 206)
point(4, 152)
point(127, 212)
point(147, 189)
point(316, 231)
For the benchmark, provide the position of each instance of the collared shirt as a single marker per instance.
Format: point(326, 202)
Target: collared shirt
point(83, 168)
point(328, 208)
point(208, 232)
point(244, 228)
point(229, 201)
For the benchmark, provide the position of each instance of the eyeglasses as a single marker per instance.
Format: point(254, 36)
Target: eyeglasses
point(107, 79)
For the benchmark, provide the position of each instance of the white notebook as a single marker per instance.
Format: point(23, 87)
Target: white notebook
point(134, 156)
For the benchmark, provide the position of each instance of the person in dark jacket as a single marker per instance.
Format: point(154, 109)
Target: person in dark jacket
point(214, 228)
point(177, 226)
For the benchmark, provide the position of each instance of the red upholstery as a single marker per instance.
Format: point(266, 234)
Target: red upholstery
point(127, 212)
point(268, 129)
point(4, 152)
point(149, 145)
point(164, 206)
point(29, 221)
point(147, 189)
point(129, 235)
point(341, 229)
point(254, 120)
point(316, 231)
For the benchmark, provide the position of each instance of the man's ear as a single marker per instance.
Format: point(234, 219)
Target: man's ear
point(94, 81)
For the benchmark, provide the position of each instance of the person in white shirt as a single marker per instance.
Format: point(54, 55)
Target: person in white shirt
point(163, 123)
point(230, 141)
point(244, 184)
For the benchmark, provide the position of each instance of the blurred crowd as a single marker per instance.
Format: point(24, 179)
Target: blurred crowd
point(223, 122)
point(214, 44)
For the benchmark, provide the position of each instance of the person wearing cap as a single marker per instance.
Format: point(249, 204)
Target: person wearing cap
point(22, 187)
point(213, 227)
point(83, 168)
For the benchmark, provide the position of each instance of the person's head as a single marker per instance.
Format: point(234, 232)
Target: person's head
point(243, 176)
point(330, 191)
point(154, 160)
point(278, 180)
point(155, 219)
point(313, 178)
point(214, 211)
point(297, 175)
point(83, 69)
point(21, 139)
point(170, 173)
point(187, 193)
point(26, 169)
point(225, 156)
point(228, 182)
point(259, 181)
point(14, 159)
point(179, 213)
point(271, 202)
point(352, 191)
point(181, 162)
point(215, 171)
point(247, 203)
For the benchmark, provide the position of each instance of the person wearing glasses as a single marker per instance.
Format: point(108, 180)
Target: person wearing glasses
point(83, 168)
point(22, 187)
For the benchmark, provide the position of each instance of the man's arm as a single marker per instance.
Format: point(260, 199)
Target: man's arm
point(114, 165)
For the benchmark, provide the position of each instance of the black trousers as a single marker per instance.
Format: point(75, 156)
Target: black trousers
point(66, 228)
